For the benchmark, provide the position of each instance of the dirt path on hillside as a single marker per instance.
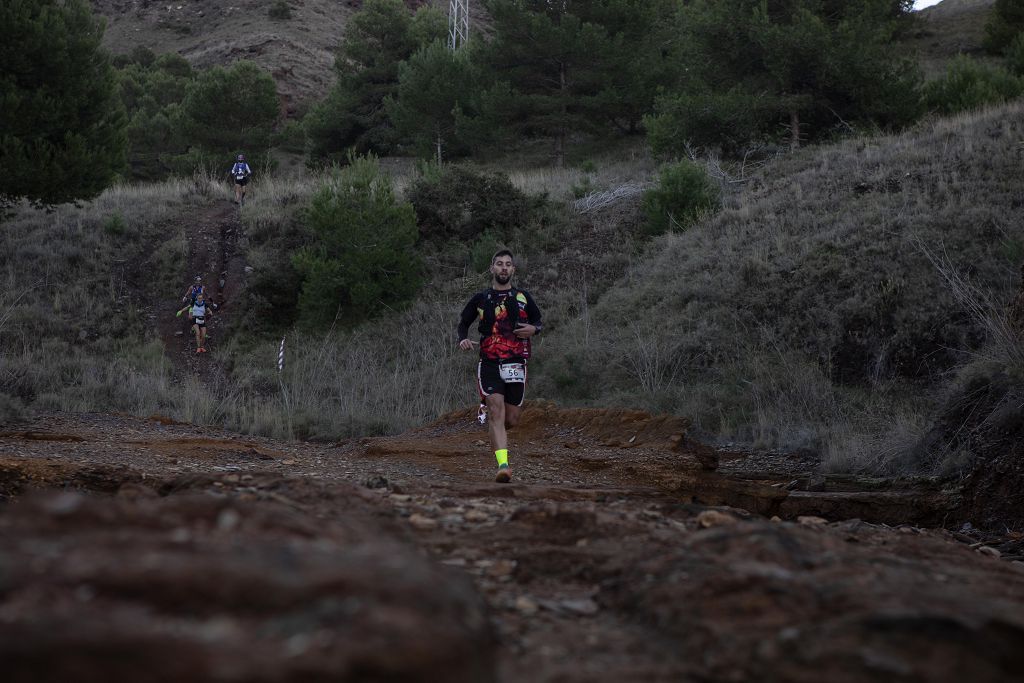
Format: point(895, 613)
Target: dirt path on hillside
point(213, 254)
point(149, 550)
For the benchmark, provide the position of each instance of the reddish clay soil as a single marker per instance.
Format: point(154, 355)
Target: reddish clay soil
point(144, 550)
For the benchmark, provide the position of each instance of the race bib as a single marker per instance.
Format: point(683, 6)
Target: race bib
point(240, 177)
point(512, 372)
point(200, 321)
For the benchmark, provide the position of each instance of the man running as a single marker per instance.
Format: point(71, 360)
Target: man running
point(240, 172)
point(197, 315)
point(194, 290)
point(508, 317)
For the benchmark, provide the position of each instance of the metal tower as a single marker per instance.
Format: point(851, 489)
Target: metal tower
point(458, 23)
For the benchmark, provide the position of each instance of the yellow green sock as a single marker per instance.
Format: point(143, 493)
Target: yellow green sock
point(502, 455)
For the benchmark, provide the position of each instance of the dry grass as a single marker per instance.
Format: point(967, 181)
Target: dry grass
point(817, 254)
point(802, 315)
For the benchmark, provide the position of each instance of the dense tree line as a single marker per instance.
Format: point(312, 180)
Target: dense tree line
point(726, 74)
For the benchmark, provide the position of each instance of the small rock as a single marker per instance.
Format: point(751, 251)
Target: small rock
point(228, 519)
point(776, 519)
point(289, 461)
point(376, 481)
point(990, 551)
point(422, 522)
point(476, 516)
point(811, 520)
point(579, 606)
point(710, 518)
point(64, 504)
point(526, 606)
point(401, 498)
point(501, 569)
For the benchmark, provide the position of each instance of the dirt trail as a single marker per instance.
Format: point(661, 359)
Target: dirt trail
point(212, 237)
point(614, 555)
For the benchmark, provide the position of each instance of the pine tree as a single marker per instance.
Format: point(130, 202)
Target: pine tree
point(226, 111)
point(803, 66)
point(546, 64)
point(562, 68)
point(433, 89)
point(363, 258)
point(379, 37)
point(62, 127)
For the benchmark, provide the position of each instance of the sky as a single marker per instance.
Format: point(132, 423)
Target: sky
point(921, 4)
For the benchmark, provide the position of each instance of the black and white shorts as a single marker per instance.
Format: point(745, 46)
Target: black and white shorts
point(507, 378)
point(199, 322)
point(243, 181)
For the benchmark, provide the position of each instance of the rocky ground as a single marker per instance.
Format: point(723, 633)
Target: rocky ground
point(135, 549)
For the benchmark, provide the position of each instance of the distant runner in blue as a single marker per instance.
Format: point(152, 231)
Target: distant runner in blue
point(240, 172)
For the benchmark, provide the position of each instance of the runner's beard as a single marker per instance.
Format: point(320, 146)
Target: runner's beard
point(502, 279)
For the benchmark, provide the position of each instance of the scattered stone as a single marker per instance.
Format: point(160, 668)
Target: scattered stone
point(502, 569)
point(711, 518)
point(476, 516)
point(289, 461)
point(811, 520)
point(228, 519)
point(585, 606)
point(376, 481)
point(990, 551)
point(401, 497)
point(422, 522)
point(526, 606)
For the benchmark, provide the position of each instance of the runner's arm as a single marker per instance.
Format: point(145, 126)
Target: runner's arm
point(466, 319)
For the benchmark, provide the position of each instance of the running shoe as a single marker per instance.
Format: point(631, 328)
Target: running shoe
point(504, 475)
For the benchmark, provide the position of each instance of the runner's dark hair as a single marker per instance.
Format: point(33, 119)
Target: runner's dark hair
point(503, 252)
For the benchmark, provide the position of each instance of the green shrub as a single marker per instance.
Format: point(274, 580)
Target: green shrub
point(730, 121)
point(363, 259)
point(584, 187)
point(683, 194)
point(280, 11)
point(115, 225)
point(1015, 56)
point(460, 204)
point(969, 84)
point(290, 138)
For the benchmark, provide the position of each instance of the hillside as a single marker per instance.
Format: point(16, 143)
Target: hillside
point(947, 29)
point(298, 52)
point(811, 304)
